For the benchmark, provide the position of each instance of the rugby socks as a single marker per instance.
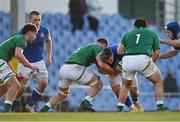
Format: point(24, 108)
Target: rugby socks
point(160, 104)
point(128, 102)
point(120, 107)
point(88, 98)
point(134, 98)
point(35, 95)
point(15, 103)
point(45, 108)
point(7, 106)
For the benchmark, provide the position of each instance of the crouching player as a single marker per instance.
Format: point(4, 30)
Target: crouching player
point(75, 69)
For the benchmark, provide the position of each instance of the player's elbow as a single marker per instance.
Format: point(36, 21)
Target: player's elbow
point(156, 53)
point(18, 55)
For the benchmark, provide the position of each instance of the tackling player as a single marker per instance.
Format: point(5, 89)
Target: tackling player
point(75, 69)
point(116, 82)
point(13, 47)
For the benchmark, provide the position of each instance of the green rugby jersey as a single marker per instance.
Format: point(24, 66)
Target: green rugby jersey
point(140, 41)
point(85, 55)
point(7, 48)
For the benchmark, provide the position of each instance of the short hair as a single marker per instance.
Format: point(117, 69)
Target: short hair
point(105, 54)
point(29, 27)
point(140, 22)
point(102, 40)
point(33, 13)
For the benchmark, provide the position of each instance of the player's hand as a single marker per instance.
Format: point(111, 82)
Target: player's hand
point(1, 71)
point(35, 68)
point(49, 62)
point(162, 42)
point(21, 79)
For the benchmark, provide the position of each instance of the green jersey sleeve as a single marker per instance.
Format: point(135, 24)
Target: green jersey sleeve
point(123, 41)
point(97, 50)
point(156, 42)
point(21, 43)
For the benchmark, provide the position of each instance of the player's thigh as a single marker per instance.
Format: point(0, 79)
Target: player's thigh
point(115, 80)
point(155, 77)
point(71, 71)
point(128, 66)
point(42, 75)
point(151, 70)
point(135, 82)
point(64, 86)
point(89, 78)
point(5, 72)
point(22, 70)
point(3, 89)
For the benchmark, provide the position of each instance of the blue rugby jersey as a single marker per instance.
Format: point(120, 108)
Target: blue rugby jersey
point(116, 56)
point(34, 50)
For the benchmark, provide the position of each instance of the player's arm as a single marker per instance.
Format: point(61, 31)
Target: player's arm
point(175, 43)
point(155, 55)
point(19, 77)
point(102, 71)
point(156, 48)
point(120, 49)
point(49, 50)
point(168, 54)
point(20, 56)
point(104, 66)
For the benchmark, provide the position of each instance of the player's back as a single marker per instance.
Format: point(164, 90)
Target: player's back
point(140, 41)
point(85, 55)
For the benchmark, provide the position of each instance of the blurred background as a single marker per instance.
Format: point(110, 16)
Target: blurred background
point(111, 20)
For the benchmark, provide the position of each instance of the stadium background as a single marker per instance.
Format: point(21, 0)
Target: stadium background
point(116, 19)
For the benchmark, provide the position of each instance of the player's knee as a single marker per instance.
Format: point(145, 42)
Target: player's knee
point(63, 91)
point(99, 84)
point(128, 83)
point(134, 91)
point(42, 85)
point(96, 82)
point(43, 81)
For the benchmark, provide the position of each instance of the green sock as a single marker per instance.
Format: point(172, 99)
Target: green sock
point(134, 98)
point(120, 108)
point(44, 109)
point(160, 105)
point(7, 107)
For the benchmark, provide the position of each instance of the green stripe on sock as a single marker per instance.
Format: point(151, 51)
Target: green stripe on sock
point(7, 107)
point(44, 109)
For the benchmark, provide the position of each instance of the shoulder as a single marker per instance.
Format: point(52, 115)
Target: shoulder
point(44, 29)
point(150, 32)
point(18, 37)
point(113, 47)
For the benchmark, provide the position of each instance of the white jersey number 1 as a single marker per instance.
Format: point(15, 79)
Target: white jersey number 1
point(138, 37)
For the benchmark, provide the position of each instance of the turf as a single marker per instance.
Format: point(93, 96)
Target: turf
point(99, 116)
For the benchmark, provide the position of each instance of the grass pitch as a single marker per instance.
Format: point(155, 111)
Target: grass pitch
point(91, 117)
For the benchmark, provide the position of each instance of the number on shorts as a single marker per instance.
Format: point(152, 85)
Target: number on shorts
point(138, 37)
